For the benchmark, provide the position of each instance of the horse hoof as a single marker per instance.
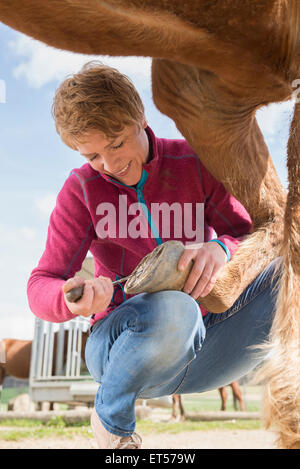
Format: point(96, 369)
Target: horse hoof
point(158, 270)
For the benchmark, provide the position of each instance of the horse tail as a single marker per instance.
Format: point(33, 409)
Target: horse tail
point(281, 370)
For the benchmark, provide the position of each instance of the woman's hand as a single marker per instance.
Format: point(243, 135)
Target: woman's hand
point(209, 259)
point(96, 297)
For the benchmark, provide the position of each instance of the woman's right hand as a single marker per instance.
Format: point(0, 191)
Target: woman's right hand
point(96, 297)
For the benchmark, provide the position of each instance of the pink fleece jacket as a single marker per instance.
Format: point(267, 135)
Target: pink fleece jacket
point(83, 221)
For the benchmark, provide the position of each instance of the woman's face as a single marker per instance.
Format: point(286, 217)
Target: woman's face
point(121, 158)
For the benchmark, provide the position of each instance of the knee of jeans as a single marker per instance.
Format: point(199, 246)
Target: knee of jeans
point(92, 361)
point(176, 306)
point(175, 320)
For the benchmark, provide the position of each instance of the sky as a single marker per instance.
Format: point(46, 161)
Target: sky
point(35, 163)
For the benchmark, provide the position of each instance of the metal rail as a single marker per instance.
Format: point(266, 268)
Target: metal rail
point(57, 368)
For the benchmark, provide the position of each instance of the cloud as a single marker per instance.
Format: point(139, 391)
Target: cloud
point(28, 233)
point(274, 121)
point(42, 64)
point(275, 118)
point(13, 235)
point(16, 322)
point(22, 250)
point(46, 204)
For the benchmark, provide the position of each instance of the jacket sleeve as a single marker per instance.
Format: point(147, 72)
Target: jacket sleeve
point(225, 214)
point(70, 234)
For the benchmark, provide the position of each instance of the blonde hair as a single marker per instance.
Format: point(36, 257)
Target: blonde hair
point(98, 97)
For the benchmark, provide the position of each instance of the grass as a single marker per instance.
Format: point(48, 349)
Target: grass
point(34, 429)
point(13, 430)
point(147, 427)
point(191, 404)
point(211, 401)
point(10, 393)
point(42, 431)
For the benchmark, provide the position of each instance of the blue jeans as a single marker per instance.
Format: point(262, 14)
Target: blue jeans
point(158, 344)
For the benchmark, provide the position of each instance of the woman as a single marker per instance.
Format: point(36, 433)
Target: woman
point(135, 192)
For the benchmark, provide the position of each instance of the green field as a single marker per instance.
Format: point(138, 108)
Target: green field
point(211, 401)
point(13, 430)
point(208, 401)
point(10, 393)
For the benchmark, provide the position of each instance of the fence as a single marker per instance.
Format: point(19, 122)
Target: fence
point(57, 370)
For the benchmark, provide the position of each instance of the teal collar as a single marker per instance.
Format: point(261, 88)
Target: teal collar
point(140, 184)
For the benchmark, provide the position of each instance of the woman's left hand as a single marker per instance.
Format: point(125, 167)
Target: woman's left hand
point(209, 259)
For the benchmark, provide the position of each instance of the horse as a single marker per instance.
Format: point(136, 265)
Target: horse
point(215, 63)
point(17, 357)
point(236, 393)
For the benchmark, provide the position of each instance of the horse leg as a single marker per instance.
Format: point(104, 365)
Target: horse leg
point(177, 403)
point(237, 395)
point(232, 148)
point(164, 30)
point(281, 370)
point(234, 399)
point(174, 406)
point(223, 394)
point(181, 408)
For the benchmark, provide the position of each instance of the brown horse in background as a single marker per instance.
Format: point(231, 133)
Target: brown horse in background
point(236, 393)
point(15, 359)
point(16, 355)
point(215, 64)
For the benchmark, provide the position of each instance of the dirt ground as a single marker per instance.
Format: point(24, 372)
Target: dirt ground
point(237, 439)
point(211, 439)
point(214, 439)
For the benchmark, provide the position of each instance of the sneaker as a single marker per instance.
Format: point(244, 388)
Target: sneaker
point(107, 440)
